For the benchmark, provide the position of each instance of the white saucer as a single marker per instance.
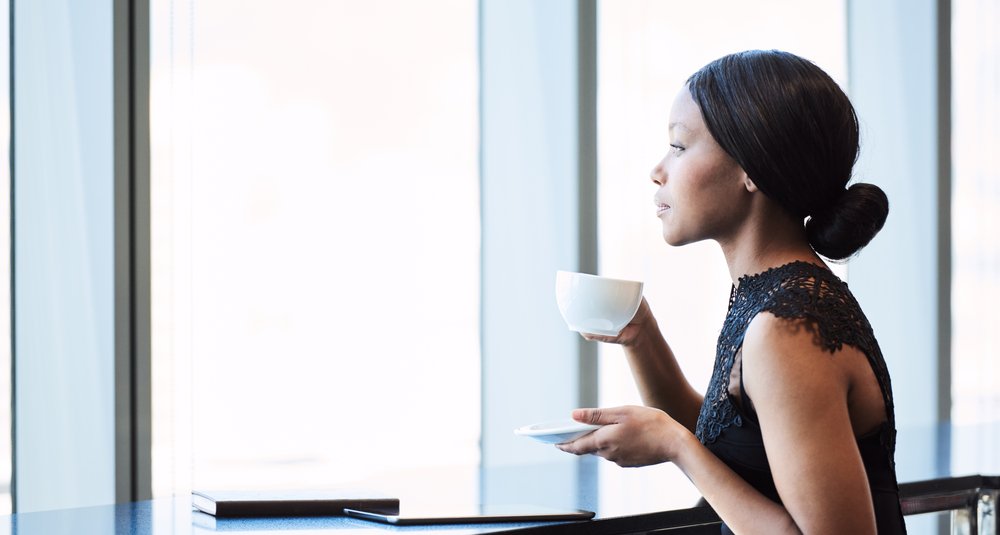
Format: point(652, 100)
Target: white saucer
point(556, 432)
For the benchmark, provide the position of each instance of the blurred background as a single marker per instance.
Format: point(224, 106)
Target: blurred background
point(351, 263)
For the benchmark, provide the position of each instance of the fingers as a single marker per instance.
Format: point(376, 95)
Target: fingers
point(587, 416)
point(630, 436)
point(599, 338)
point(591, 445)
point(598, 416)
point(581, 446)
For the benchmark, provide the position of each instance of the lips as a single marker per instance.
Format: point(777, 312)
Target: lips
point(661, 208)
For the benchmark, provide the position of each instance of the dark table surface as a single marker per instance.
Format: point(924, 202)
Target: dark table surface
point(624, 500)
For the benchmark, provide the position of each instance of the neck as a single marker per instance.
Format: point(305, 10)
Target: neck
point(768, 239)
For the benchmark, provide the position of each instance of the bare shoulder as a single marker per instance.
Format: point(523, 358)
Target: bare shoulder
point(782, 353)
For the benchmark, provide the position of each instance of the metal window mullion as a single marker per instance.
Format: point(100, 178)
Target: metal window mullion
point(132, 316)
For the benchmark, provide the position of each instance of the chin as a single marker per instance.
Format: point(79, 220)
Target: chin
point(674, 241)
point(677, 240)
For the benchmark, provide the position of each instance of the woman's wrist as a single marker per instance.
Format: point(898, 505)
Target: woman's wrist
point(680, 443)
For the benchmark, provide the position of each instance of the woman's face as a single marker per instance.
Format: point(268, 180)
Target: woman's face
point(702, 191)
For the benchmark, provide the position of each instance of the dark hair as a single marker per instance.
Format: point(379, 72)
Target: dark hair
point(795, 133)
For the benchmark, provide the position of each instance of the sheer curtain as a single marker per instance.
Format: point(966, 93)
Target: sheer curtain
point(975, 226)
point(5, 304)
point(315, 242)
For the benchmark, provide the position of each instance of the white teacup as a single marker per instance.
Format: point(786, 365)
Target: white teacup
point(596, 305)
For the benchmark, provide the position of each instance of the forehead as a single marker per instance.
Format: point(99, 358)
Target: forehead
point(685, 113)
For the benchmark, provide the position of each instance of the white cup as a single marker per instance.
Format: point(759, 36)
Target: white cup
point(596, 305)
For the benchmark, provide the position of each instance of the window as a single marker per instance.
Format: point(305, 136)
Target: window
point(975, 250)
point(646, 51)
point(5, 383)
point(315, 238)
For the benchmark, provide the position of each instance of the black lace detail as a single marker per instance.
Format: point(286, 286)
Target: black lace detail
point(799, 291)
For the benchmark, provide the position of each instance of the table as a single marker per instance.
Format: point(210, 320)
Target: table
point(633, 500)
point(174, 516)
point(971, 499)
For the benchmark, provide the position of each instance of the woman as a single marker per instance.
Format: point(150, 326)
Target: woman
point(796, 431)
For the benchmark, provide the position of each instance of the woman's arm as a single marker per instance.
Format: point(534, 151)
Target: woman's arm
point(659, 378)
point(800, 394)
point(641, 436)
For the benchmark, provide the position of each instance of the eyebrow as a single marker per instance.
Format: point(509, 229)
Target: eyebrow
point(677, 123)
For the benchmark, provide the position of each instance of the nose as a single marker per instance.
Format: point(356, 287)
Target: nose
point(658, 175)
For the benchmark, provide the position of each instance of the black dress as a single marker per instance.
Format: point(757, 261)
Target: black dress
point(730, 429)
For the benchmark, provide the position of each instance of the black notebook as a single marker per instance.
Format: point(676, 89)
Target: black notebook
point(288, 503)
point(473, 514)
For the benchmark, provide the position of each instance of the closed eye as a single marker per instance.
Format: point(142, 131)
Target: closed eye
point(676, 148)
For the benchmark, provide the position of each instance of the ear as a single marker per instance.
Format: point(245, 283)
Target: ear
point(751, 187)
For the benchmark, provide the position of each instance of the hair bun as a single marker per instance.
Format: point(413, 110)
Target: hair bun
point(849, 223)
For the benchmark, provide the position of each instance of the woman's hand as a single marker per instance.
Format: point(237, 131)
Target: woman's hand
point(630, 333)
point(631, 436)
